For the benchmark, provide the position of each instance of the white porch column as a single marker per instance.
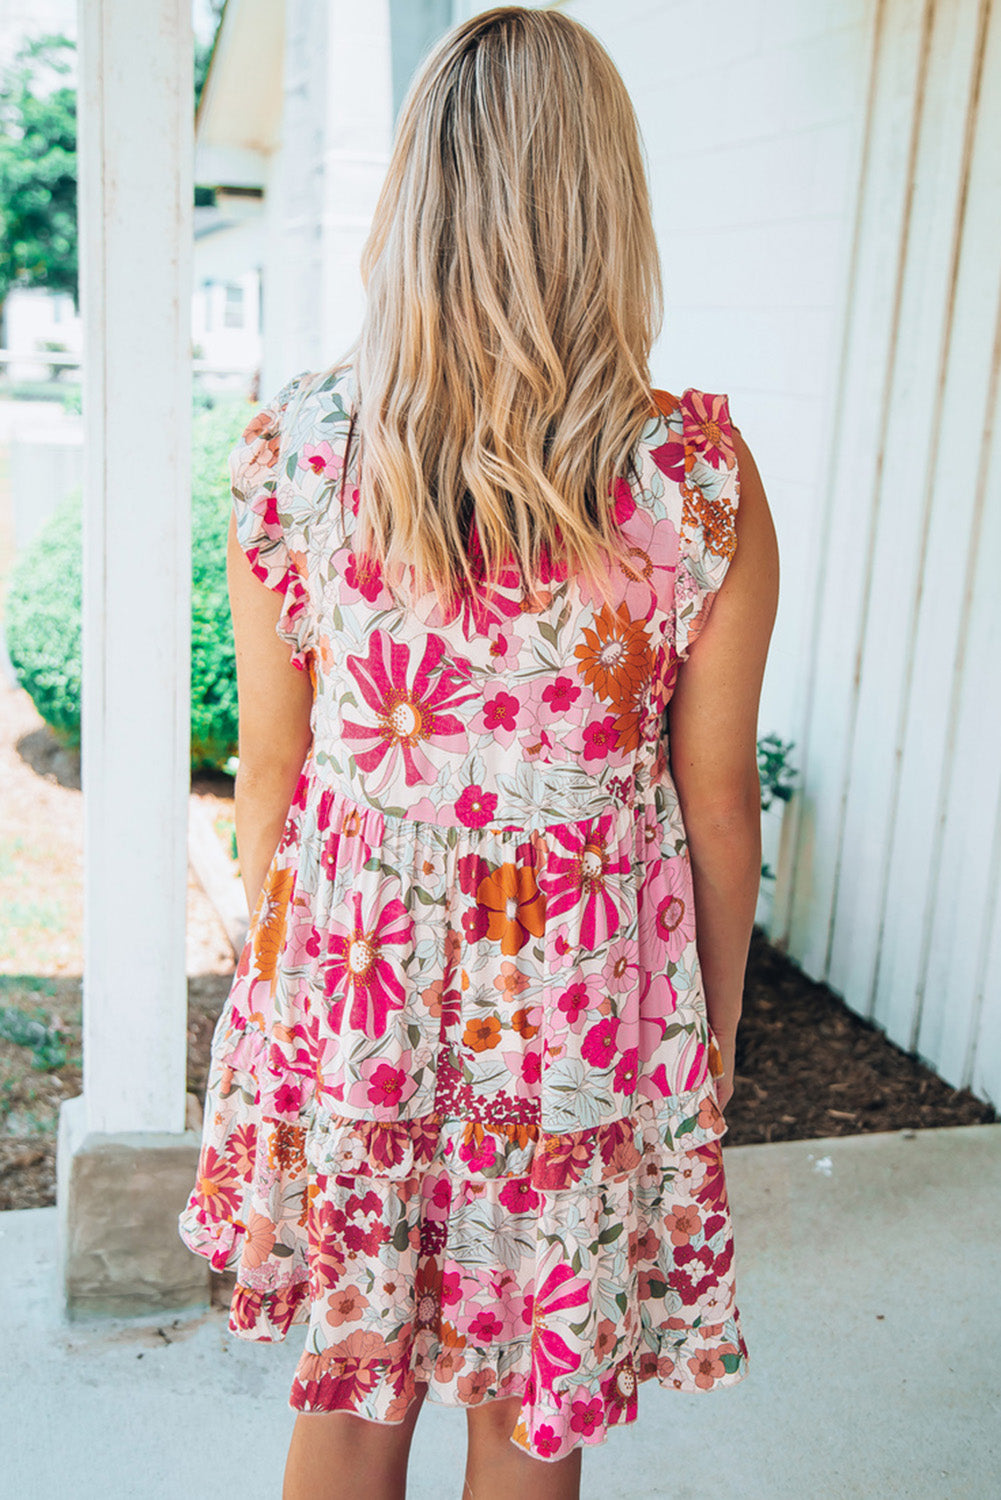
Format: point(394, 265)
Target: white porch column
point(124, 1158)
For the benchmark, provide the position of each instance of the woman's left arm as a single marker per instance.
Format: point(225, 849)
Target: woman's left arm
point(275, 700)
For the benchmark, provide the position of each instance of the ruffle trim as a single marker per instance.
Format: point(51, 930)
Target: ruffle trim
point(377, 1381)
point(254, 464)
point(552, 1162)
point(213, 1225)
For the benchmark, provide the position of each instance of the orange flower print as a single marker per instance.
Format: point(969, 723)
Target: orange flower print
point(269, 920)
point(522, 1025)
point(707, 1367)
point(345, 1306)
point(258, 1240)
point(516, 907)
point(287, 1149)
point(614, 657)
point(262, 438)
point(483, 1034)
point(683, 1222)
point(716, 520)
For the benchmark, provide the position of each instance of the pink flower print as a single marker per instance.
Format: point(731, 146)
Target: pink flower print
point(504, 650)
point(531, 1068)
point(386, 1088)
point(288, 1099)
point(552, 1356)
point(707, 427)
point(364, 575)
point(451, 1288)
point(599, 738)
point(560, 695)
point(479, 1151)
point(546, 1443)
point(519, 1196)
point(320, 458)
point(587, 1417)
point(358, 967)
point(437, 1195)
point(666, 912)
point(475, 807)
point(525, 1069)
point(650, 564)
point(471, 869)
point(407, 713)
point(577, 999)
point(622, 966)
point(624, 501)
point(658, 1000)
point(626, 1071)
point(562, 946)
point(486, 1327)
point(475, 923)
point(599, 1045)
point(670, 457)
point(580, 878)
point(480, 610)
point(498, 717)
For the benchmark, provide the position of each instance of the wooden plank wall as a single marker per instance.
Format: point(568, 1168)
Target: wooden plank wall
point(890, 890)
point(826, 182)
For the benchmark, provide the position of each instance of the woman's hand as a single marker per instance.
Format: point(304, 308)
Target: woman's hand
point(724, 1083)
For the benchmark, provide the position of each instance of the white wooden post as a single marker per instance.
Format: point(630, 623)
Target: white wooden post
point(124, 1142)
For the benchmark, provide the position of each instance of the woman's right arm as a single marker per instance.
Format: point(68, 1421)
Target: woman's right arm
point(712, 739)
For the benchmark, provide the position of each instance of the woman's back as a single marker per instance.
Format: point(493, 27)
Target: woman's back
point(464, 1109)
point(472, 972)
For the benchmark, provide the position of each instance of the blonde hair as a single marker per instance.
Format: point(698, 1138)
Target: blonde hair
point(513, 295)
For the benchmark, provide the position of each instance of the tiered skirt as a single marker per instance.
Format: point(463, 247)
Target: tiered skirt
point(461, 1120)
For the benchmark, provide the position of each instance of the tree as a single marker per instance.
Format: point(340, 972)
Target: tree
point(204, 48)
point(38, 230)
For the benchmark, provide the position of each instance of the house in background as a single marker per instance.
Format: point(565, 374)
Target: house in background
point(825, 179)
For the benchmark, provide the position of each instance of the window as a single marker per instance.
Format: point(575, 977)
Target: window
point(233, 308)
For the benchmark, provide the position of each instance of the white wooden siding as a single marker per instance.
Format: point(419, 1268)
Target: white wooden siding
point(826, 180)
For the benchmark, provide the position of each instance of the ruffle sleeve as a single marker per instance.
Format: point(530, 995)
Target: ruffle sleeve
point(711, 491)
point(255, 466)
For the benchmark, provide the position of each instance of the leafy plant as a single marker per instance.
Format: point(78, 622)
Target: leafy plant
point(777, 776)
point(36, 1033)
point(44, 603)
point(775, 771)
point(38, 220)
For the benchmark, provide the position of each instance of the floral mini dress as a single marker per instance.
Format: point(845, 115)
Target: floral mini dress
point(461, 1116)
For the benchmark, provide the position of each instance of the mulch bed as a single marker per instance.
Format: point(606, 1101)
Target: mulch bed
point(807, 1068)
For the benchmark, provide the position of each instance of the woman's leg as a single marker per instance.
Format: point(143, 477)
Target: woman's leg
point(497, 1470)
point(336, 1456)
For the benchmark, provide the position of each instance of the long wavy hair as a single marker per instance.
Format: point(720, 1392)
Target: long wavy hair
point(513, 294)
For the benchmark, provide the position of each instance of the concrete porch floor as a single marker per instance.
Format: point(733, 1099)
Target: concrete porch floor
point(869, 1276)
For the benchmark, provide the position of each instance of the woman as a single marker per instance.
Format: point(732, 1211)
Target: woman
point(465, 1106)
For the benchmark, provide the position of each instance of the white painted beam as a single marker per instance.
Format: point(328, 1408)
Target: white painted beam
point(135, 159)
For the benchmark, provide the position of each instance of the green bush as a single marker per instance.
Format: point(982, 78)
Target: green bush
point(43, 609)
